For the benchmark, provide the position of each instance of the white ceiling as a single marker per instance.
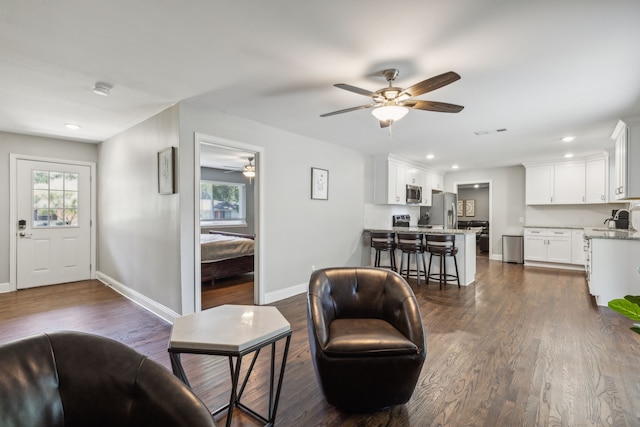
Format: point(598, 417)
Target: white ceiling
point(542, 69)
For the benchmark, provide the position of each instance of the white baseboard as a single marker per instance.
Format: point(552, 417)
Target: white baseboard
point(143, 301)
point(554, 265)
point(5, 287)
point(281, 294)
point(495, 257)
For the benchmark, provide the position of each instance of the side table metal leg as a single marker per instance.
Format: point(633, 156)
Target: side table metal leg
point(274, 407)
point(234, 386)
point(176, 366)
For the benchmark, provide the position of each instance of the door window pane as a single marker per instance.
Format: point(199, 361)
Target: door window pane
point(55, 199)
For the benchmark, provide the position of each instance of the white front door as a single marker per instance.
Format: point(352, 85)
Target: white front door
point(54, 223)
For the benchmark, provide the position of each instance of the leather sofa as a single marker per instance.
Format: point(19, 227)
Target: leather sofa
point(73, 379)
point(366, 337)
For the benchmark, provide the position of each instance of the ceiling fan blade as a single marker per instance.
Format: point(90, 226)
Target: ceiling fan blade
point(346, 110)
point(385, 123)
point(430, 84)
point(440, 107)
point(355, 89)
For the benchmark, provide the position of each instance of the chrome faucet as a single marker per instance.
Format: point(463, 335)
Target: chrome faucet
point(615, 218)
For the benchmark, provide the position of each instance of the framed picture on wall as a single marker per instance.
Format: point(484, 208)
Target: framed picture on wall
point(319, 184)
point(470, 207)
point(460, 207)
point(166, 171)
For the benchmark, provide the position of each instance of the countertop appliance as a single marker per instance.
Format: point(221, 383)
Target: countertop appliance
point(414, 194)
point(401, 220)
point(623, 219)
point(444, 210)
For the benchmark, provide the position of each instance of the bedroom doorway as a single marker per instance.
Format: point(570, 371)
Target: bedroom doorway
point(227, 211)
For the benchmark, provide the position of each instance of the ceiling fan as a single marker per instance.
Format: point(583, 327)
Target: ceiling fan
point(248, 170)
point(393, 103)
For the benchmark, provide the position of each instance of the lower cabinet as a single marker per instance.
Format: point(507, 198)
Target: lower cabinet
point(548, 245)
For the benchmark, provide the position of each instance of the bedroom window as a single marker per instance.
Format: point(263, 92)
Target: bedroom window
point(222, 203)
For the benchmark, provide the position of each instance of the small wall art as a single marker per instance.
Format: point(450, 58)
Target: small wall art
point(319, 184)
point(166, 171)
point(469, 207)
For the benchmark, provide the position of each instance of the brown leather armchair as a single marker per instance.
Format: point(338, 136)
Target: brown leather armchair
point(366, 337)
point(73, 379)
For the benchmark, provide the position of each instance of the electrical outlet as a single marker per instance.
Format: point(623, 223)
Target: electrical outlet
point(521, 219)
point(313, 268)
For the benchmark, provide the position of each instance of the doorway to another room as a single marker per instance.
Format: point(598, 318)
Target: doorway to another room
point(227, 209)
point(474, 213)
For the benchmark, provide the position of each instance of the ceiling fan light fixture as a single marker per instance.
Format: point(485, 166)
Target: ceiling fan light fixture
point(390, 112)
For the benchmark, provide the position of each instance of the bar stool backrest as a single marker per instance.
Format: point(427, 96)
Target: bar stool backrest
point(384, 240)
point(441, 243)
point(410, 242)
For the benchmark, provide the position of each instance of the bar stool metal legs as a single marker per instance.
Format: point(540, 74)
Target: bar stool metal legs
point(411, 243)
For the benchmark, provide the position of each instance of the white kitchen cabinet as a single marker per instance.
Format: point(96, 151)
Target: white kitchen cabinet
point(613, 273)
point(539, 185)
point(389, 186)
point(627, 158)
point(577, 247)
point(547, 245)
point(569, 183)
point(596, 182)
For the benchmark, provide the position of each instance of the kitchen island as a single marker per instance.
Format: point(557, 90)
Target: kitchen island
point(613, 258)
point(465, 242)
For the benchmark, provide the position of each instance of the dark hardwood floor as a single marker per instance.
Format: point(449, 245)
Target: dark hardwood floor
point(520, 347)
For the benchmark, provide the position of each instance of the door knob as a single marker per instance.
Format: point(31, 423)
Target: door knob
point(24, 235)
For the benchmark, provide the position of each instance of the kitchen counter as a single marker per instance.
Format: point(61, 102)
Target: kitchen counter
point(605, 233)
point(465, 242)
point(424, 230)
point(562, 227)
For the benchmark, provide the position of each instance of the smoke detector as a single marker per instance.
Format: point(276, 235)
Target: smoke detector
point(102, 88)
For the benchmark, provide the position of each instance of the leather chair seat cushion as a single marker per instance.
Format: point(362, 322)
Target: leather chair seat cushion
point(366, 338)
point(442, 250)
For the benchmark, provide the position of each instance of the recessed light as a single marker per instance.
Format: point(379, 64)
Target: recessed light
point(72, 126)
point(455, 167)
point(568, 156)
point(568, 138)
point(102, 88)
point(476, 186)
point(429, 156)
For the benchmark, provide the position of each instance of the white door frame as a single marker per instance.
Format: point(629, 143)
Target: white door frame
point(259, 255)
point(13, 214)
point(482, 181)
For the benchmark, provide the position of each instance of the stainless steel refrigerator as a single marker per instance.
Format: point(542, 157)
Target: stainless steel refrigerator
point(444, 210)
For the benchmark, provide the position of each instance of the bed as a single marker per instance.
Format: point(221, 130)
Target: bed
point(224, 254)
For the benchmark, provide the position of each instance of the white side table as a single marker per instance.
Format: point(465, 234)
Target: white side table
point(233, 331)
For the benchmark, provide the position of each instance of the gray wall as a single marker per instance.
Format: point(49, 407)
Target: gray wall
point(139, 229)
point(481, 197)
point(298, 232)
point(508, 206)
point(34, 146)
point(225, 176)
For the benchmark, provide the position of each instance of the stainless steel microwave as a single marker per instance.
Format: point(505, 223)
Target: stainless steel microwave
point(414, 194)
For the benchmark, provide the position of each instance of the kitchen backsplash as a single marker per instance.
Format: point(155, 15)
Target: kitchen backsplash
point(379, 216)
point(563, 215)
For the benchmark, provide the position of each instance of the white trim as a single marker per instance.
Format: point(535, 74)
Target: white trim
point(558, 266)
point(281, 294)
point(260, 255)
point(143, 301)
point(5, 287)
point(495, 257)
point(13, 203)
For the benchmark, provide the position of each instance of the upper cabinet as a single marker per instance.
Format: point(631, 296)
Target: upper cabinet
point(581, 182)
point(391, 177)
point(627, 159)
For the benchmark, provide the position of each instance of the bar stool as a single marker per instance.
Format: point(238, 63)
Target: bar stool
point(411, 243)
point(442, 245)
point(384, 241)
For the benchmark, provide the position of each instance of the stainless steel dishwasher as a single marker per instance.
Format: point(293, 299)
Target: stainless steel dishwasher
point(513, 248)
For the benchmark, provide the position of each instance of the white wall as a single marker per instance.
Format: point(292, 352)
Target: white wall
point(571, 215)
point(35, 146)
point(507, 189)
point(138, 229)
point(298, 232)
